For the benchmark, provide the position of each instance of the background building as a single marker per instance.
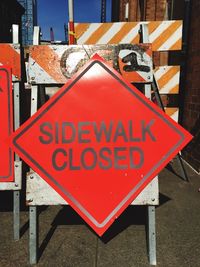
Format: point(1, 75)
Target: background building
point(29, 20)
point(10, 13)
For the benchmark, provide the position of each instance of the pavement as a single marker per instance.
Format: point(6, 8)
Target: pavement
point(65, 240)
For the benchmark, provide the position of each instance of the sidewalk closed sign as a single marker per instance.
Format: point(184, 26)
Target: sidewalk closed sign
point(98, 142)
point(6, 124)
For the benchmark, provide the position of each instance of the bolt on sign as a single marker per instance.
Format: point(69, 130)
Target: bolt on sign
point(6, 122)
point(98, 142)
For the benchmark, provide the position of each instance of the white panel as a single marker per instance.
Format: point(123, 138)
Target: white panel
point(40, 193)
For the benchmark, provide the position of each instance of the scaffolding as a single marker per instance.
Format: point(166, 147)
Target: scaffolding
point(29, 20)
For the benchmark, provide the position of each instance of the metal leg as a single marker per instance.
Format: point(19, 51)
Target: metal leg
point(16, 214)
point(183, 171)
point(151, 235)
point(33, 219)
point(33, 235)
point(34, 98)
point(16, 194)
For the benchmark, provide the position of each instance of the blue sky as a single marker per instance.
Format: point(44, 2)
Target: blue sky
point(55, 14)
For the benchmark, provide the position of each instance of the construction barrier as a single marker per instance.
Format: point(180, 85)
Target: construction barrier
point(163, 35)
point(10, 63)
point(55, 64)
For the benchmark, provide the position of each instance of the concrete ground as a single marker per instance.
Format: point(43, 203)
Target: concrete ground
point(64, 239)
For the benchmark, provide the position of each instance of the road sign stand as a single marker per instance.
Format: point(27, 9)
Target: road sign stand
point(35, 198)
point(149, 196)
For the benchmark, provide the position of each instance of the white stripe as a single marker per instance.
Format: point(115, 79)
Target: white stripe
point(87, 34)
point(170, 84)
point(158, 31)
point(116, 27)
point(130, 35)
point(161, 71)
point(39, 74)
point(16, 49)
point(171, 40)
point(175, 116)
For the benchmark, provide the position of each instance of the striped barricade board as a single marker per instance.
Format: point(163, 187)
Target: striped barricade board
point(55, 64)
point(10, 56)
point(168, 78)
point(164, 35)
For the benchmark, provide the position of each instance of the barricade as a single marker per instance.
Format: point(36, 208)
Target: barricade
point(10, 58)
point(53, 65)
point(163, 35)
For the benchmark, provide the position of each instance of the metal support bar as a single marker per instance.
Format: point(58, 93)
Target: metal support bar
point(16, 110)
point(33, 230)
point(34, 98)
point(151, 209)
point(33, 234)
point(182, 168)
point(16, 214)
point(16, 194)
point(147, 91)
point(152, 235)
point(15, 33)
point(36, 35)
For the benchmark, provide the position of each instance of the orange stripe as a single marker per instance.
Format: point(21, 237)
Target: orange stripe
point(126, 28)
point(177, 45)
point(48, 61)
point(164, 36)
point(164, 79)
point(136, 40)
point(152, 25)
point(170, 111)
point(80, 29)
point(175, 89)
point(8, 56)
point(104, 27)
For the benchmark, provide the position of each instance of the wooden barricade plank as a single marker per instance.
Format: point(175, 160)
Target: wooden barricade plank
point(55, 64)
point(168, 78)
point(10, 56)
point(164, 35)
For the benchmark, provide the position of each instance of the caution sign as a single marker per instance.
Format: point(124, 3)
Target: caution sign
point(98, 142)
point(6, 122)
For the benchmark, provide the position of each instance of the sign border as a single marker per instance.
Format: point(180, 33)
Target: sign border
point(9, 124)
point(65, 192)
